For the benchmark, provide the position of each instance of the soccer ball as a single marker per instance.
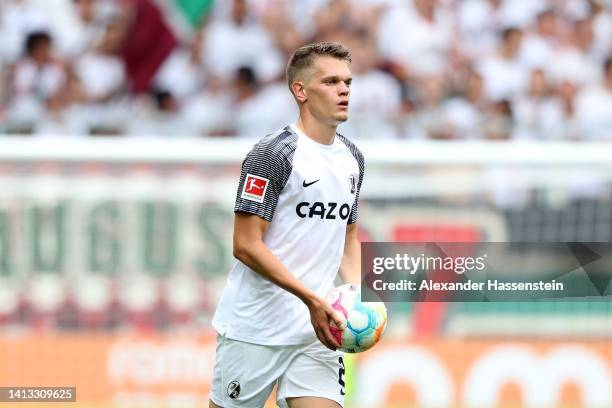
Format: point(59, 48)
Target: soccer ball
point(365, 321)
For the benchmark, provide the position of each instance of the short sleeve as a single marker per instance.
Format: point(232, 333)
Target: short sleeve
point(265, 171)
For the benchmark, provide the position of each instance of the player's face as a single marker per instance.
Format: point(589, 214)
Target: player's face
point(328, 90)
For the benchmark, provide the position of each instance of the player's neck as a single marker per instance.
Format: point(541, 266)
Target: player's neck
point(317, 131)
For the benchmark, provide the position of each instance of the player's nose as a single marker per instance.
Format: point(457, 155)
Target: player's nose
point(343, 88)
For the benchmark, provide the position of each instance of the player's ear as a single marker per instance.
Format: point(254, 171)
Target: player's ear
point(299, 91)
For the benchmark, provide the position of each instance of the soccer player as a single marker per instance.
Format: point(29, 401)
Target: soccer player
point(294, 230)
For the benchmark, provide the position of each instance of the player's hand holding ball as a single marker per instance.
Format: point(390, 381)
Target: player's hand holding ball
point(323, 317)
point(365, 321)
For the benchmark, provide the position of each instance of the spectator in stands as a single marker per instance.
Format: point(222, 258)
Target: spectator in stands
point(594, 107)
point(37, 81)
point(521, 13)
point(103, 82)
point(538, 47)
point(504, 75)
point(347, 15)
point(567, 124)
point(452, 59)
point(89, 26)
point(18, 18)
point(258, 110)
point(182, 73)
point(166, 102)
point(547, 112)
point(574, 60)
point(38, 74)
point(415, 38)
point(240, 40)
point(429, 121)
point(288, 30)
point(209, 112)
point(464, 112)
point(499, 121)
point(335, 16)
point(64, 115)
point(375, 94)
point(478, 21)
point(100, 70)
point(602, 28)
point(160, 117)
point(534, 108)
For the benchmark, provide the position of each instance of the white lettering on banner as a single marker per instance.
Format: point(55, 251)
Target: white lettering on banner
point(430, 379)
point(147, 363)
point(540, 378)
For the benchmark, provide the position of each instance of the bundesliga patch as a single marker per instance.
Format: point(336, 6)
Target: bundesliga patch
point(254, 188)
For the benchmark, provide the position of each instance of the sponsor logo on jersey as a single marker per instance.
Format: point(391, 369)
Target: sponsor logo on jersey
point(305, 184)
point(254, 188)
point(341, 372)
point(352, 184)
point(329, 211)
point(233, 389)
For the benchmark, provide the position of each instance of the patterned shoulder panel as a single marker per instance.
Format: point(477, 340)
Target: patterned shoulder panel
point(355, 152)
point(265, 172)
point(361, 163)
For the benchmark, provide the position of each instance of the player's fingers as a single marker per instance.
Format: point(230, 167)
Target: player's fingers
point(322, 339)
point(320, 332)
point(338, 319)
point(330, 338)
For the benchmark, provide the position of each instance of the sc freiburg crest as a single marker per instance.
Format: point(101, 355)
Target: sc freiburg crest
point(352, 184)
point(233, 389)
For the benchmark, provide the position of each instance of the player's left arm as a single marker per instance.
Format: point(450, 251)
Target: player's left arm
point(350, 267)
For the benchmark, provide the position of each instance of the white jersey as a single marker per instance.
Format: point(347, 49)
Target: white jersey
point(309, 192)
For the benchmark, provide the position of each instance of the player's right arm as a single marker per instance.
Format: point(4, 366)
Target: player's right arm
point(250, 249)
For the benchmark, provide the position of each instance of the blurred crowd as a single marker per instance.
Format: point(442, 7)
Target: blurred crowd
point(423, 69)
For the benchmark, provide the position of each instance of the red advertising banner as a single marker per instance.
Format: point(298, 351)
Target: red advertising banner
point(156, 370)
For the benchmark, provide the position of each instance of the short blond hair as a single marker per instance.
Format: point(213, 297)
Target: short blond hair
point(303, 57)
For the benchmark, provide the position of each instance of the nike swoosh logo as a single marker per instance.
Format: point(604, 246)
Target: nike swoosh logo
point(305, 184)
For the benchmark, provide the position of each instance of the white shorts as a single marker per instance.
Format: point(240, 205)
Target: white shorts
point(246, 373)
